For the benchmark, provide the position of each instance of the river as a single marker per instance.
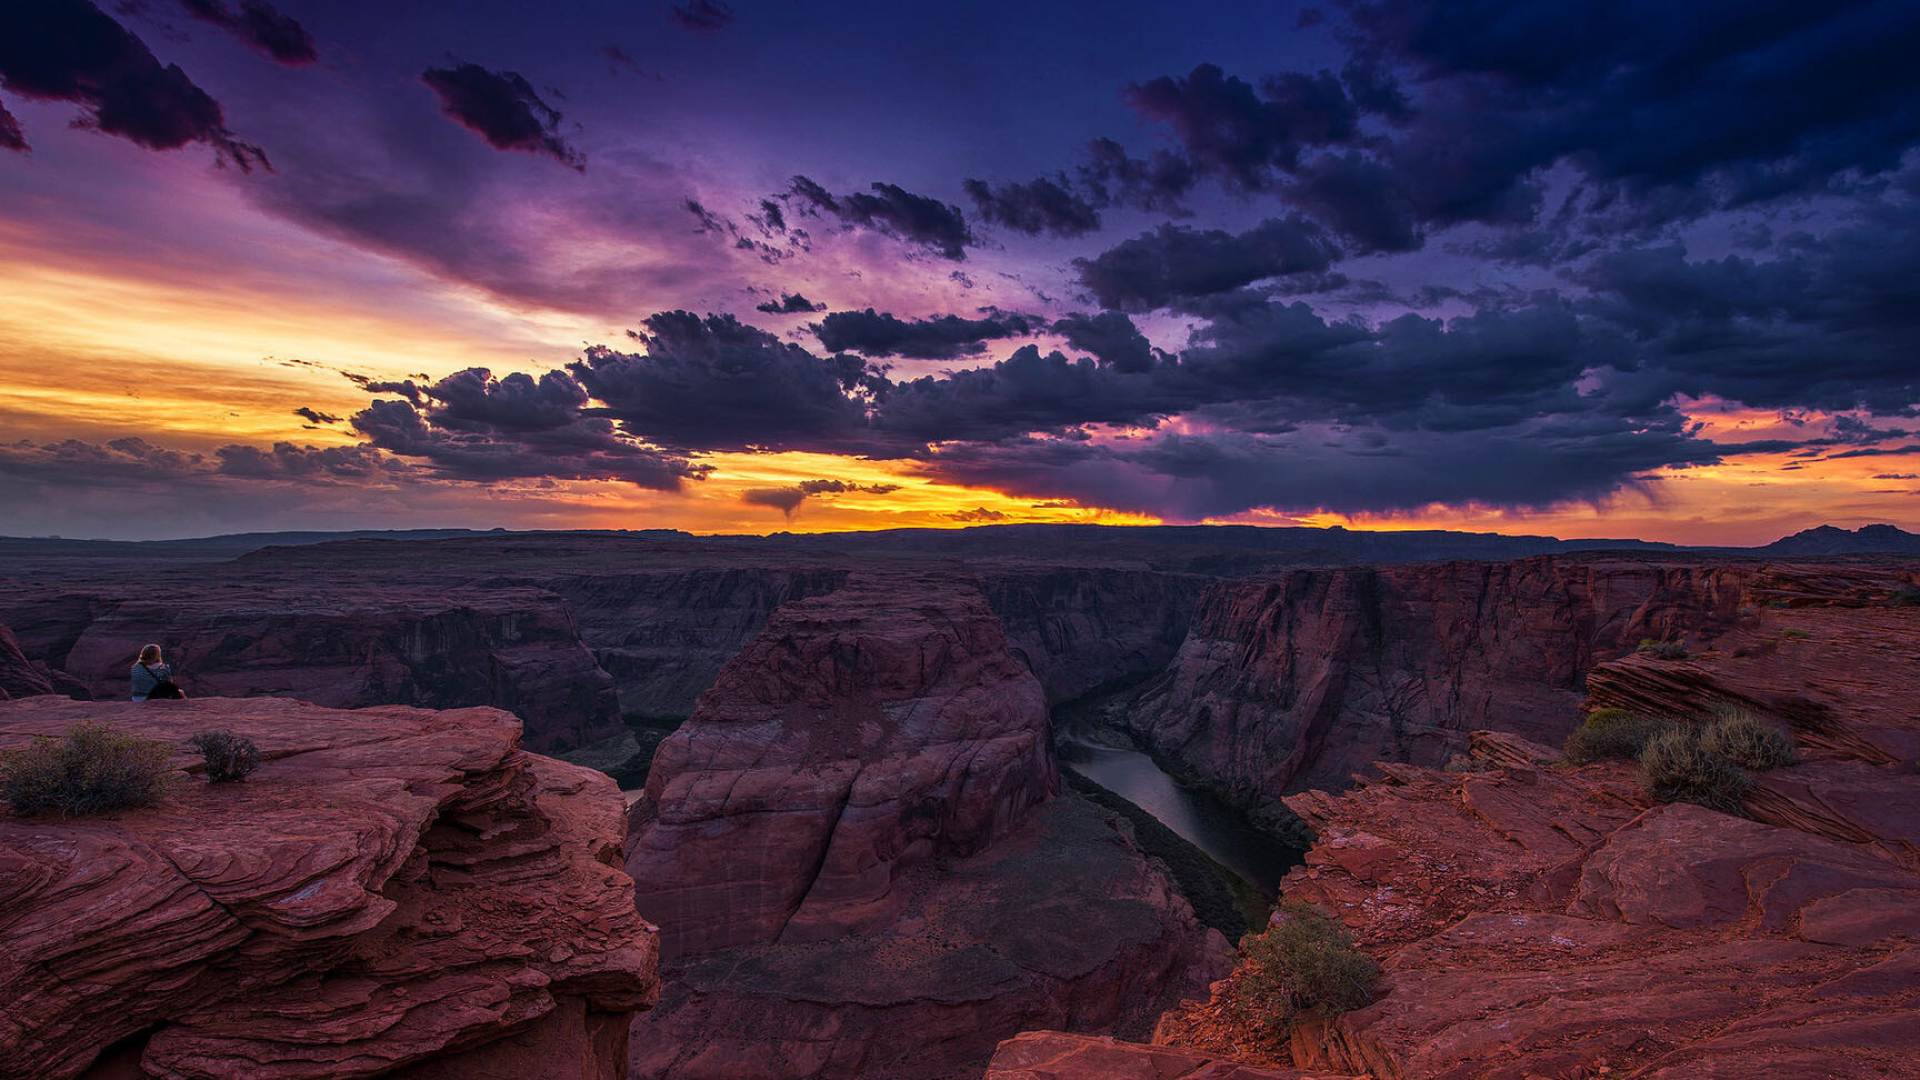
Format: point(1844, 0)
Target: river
point(1197, 815)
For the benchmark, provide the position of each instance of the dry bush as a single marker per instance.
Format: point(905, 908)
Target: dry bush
point(92, 769)
point(1676, 767)
point(229, 757)
point(1614, 734)
point(1746, 740)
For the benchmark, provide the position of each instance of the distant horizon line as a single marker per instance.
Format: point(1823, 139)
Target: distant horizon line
point(445, 531)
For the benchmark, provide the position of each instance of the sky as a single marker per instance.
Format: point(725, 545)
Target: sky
point(1583, 267)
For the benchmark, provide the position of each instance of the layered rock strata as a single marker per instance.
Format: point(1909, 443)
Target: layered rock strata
point(1538, 919)
point(1302, 680)
point(512, 648)
point(858, 868)
point(394, 893)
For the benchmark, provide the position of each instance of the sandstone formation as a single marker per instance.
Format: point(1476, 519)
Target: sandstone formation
point(1060, 924)
point(1058, 1055)
point(1302, 680)
point(851, 853)
point(1545, 920)
point(343, 647)
point(1078, 628)
point(18, 676)
point(394, 893)
point(860, 734)
point(664, 634)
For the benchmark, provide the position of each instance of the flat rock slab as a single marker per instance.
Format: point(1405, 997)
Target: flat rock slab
point(1058, 1055)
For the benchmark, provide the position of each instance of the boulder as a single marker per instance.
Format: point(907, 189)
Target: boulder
point(393, 893)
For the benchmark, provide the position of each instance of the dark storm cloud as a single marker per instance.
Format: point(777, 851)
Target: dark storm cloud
point(68, 50)
point(704, 16)
point(11, 137)
point(1664, 114)
point(789, 304)
point(788, 499)
point(1174, 263)
point(1028, 391)
point(584, 449)
point(1829, 322)
point(942, 338)
point(1039, 206)
point(313, 416)
point(715, 384)
point(473, 400)
point(1230, 130)
point(937, 226)
point(136, 463)
point(1110, 336)
point(502, 108)
point(261, 27)
point(286, 461)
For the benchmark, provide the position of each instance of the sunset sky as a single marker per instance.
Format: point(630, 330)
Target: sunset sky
point(1576, 267)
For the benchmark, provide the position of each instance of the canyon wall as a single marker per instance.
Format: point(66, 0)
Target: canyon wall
point(858, 865)
point(394, 893)
point(18, 676)
point(343, 646)
point(1303, 679)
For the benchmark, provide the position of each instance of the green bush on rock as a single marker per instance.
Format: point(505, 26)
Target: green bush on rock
point(1303, 964)
point(92, 769)
point(1614, 734)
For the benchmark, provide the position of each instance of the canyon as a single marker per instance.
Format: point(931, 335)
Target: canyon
point(854, 837)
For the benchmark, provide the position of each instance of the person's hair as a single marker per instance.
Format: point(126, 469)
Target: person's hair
point(149, 654)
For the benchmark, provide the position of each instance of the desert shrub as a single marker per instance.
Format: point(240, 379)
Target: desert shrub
point(92, 769)
point(1304, 963)
point(1613, 734)
point(1663, 650)
point(1676, 767)
point(229, 757)
point(1905, 596)
point(1745, 739)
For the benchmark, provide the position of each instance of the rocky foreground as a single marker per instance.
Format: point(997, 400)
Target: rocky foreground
point(1537, 919)
point(394, 893)
point(860, 868)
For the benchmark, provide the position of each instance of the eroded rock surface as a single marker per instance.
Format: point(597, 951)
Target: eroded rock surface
point(394, 893)
point(1544, 920)
point(18, 676)
point(857, 868)
point(861, 734)
point(1059, 1055)
point(1302, 680)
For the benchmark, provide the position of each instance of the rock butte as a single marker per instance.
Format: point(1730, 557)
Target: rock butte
point(858, 868)
point(395, 893)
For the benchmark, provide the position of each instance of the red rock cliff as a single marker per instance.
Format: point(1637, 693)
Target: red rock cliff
point(1303, 679)
point(395, 893)
point(860, 734)
point(858, 867)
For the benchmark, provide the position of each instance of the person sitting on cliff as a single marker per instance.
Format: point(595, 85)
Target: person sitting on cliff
point(153, 679)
